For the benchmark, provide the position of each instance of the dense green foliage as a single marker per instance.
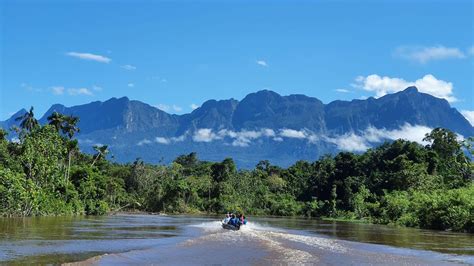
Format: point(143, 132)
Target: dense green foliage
point(402, 182)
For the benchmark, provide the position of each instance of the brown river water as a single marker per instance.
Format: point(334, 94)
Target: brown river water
point(200, 240)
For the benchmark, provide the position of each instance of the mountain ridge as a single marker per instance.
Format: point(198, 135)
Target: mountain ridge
point(280, 128)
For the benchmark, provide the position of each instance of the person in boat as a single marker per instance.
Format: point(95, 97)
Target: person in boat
point(233, 221)
point(242, 219)
point(226, 219)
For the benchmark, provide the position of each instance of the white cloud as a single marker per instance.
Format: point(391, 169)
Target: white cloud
point(299, 134)
point(261, 63)
point(167, 108)
point(239, 138)
point(177, 108)
point(342, 90)
point(60, 90)
point(131, 85)
point(89, 56)
point(291, 133)
point(427, 84)
point(267, 132)
point(57, 90)
point(194, 106)
point(144, 142)
point(205, 135)
point(79, 91)
point(163, 107)
point(129, 67)
point(407, 132)
point(353, 141)
point(244, 138)
point(97, 88)
point(30, 88)
point(349, 142)
point(162, 140)
point(180, 138)
point(424, 54)
point(366, 139)
point(469, 115)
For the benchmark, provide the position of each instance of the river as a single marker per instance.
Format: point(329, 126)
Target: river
point(189, 240)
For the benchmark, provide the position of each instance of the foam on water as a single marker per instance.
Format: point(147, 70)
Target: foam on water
point(275, 240)
point(254, 226)
point(213, 226)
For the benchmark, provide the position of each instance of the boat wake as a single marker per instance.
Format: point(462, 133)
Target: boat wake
point(208, 243)
point(281, 245)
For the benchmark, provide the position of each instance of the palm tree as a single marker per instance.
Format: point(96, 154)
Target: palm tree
point(28, 120)
point(70, 126)
point(56, 119)
point(102, 151)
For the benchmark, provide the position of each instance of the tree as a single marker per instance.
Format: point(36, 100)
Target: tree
point(69, 126)
point(453, 165)
point(443, 142)
point(56, 119)
point(3, 134)
point(222, 171)
point(102, 151)
point(28, 120)
point(41, 155)
point(188, 161)
point(72, 147)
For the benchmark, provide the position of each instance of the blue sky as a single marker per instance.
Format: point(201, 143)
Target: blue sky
point(176, 55)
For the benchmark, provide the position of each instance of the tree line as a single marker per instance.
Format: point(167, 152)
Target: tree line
point(399, 182)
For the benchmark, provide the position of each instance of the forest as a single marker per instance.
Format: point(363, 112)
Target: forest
point(43, 172)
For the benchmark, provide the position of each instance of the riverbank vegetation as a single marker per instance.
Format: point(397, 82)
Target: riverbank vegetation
point(401, 182)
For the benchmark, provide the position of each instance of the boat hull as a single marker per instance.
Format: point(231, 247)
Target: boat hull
point(230, 227)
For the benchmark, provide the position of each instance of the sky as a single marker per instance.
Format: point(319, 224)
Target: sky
point(177, 54)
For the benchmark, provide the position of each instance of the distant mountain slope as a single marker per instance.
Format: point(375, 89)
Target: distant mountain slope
point(393, 110)
point(263, 125)
point(270, 110)
point(11, 121)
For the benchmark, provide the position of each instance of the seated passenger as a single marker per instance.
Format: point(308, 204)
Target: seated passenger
point(226, 219)
point(233, 220)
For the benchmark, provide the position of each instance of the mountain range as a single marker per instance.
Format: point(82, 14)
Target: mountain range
point(262, 126)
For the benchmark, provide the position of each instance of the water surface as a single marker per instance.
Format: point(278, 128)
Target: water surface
point(182, 240)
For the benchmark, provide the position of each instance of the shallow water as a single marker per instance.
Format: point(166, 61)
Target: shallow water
point(184, 240)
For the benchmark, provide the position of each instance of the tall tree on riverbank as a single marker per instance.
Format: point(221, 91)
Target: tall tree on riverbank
point(56, 119)
point(70, 127)
point(102, 151)
point(28, 120)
